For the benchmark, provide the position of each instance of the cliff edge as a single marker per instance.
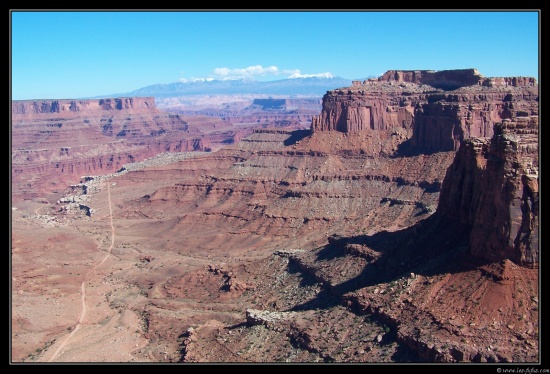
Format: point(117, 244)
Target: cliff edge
point(434, 110)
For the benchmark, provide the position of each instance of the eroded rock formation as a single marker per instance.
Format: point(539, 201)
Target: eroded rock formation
point(55, 142)
point(435, 109)
point(30, 108)
point(492, 186)
point(452, 79)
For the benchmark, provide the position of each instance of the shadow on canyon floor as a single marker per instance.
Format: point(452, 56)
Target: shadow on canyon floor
point(407, 149)
point(296, 136)
point(431, 247)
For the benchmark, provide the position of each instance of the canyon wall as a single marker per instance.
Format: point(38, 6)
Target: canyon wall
point(55, 142)
point(377, 107)
point(91, 107)
point(445, 120)
point(437, 109)
point(493, 187)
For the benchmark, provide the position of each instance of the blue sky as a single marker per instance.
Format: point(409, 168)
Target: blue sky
point(74, 54)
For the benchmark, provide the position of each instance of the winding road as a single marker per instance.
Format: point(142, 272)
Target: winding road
point(83, 285)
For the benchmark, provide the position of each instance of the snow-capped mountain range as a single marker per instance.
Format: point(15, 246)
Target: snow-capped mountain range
point(310, 86)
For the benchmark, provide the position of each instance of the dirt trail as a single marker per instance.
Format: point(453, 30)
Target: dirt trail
point(83, 285)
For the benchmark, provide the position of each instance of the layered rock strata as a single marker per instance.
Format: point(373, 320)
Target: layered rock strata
point(493, 187)
point(55, 142)
point(435, 109)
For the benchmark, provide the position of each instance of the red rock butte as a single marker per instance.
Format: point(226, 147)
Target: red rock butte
point(443, 107)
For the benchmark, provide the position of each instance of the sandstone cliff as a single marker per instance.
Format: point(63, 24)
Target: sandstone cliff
point(492, 186)
point(372, 107)
point(37, 107)
point(435, 110)
point(447, 119)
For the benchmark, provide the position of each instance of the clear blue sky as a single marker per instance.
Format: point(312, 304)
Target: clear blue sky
point(59, 55)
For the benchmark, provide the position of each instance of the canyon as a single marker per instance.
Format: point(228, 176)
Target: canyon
point(55, 142)
point(401, 226)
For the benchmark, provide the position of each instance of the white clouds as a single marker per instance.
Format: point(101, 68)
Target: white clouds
point(252, 72)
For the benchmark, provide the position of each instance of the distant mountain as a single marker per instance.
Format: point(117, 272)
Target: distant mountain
point(312, 86)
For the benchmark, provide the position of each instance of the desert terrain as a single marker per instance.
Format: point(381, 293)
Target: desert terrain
point(401, 227)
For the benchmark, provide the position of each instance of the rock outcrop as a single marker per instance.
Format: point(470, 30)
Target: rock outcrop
point(444, 79)
point(379, 106)
point(492, 186)
point(436, 110)
point(447, 119)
